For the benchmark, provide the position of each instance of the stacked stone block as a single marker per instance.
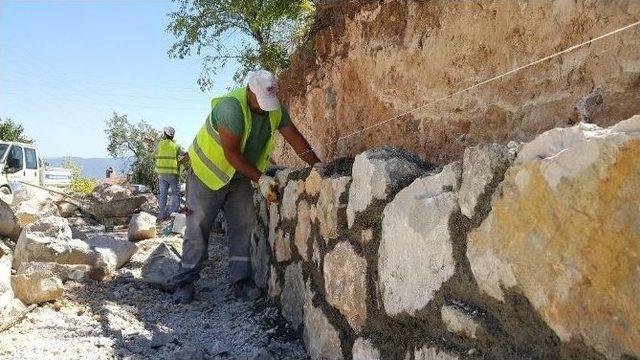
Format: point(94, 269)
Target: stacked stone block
point(503, 254)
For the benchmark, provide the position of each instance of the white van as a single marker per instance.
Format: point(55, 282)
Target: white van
point(21, 162)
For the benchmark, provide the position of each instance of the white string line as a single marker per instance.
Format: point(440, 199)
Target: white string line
point(481, 83)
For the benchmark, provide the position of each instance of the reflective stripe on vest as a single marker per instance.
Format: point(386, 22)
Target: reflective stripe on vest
point(167, 157)
point(206, 155)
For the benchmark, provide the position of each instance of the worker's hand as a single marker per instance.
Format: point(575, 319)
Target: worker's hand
point(268, 188)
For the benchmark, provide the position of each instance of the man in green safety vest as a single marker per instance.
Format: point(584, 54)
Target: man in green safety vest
point(167, 155)
point(230, 151)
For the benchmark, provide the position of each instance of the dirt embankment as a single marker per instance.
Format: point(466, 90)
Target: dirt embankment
point(370, 61)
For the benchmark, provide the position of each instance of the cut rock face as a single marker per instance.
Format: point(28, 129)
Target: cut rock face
point(321, 339)
point(482, 165)
point(142, 226)
point(415, 256)
point(330, 208)
point(564, 233)
point(292, 298)
point(345, 275)
point(378, 174)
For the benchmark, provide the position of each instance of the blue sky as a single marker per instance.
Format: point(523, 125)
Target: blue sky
point(66, 66)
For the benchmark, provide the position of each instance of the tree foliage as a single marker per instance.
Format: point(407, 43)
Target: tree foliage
point(206, 27)
point(78, 183)
point(137, 140)
point(12, 131)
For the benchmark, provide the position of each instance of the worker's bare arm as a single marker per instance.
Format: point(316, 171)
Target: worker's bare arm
point(231, 144)
point(299, 144)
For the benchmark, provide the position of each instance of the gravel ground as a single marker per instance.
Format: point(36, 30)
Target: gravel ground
point(127, 319)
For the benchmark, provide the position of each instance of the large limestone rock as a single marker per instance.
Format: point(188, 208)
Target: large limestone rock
point(303, 230)
point(483, 166)
point(292, 298)
point(35, 208)
point(161, 265)
point(331, 205)
point(47, 239)
point(50, 240)
point(106, 192)
point(142, 226)
point(345, 276)
point(63, 272)
point(120, 250)
point(9, 225)
point(291, 193)
point(321, 339)
point(36, 287)
point(378, 174)
point(415, 256)
point(563, 232)
point(364, 350)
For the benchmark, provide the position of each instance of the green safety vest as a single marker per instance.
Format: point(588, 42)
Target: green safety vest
point(167, 157)
point(206, 155)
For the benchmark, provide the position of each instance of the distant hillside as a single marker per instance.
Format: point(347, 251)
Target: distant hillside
point(94, 167)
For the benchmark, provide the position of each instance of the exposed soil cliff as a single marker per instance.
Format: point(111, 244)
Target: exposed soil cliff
point(369, 61)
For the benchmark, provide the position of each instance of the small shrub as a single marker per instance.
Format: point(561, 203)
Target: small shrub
point(82, 185)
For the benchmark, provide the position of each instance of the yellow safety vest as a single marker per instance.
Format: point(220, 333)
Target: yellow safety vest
point(207, 158)
point(167, 157)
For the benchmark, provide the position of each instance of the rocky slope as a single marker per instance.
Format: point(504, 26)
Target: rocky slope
point(526, 251)
point(368, 61)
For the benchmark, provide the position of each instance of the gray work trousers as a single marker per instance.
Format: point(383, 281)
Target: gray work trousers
point(203, 204)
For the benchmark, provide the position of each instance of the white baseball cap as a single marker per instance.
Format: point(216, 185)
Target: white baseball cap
point(264, 85)
point(169, 131)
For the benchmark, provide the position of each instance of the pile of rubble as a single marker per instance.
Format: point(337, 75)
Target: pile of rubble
point(45, 250)
point(519, 251)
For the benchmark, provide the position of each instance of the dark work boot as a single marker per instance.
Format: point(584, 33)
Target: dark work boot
point(185, 294)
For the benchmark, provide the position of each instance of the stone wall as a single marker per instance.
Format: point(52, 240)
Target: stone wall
point(525, 251)
point(369, 61)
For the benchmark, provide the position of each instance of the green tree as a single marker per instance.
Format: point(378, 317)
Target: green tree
point(78, 183)
point(137, 140)
point(205, 27)
point(12, 131)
